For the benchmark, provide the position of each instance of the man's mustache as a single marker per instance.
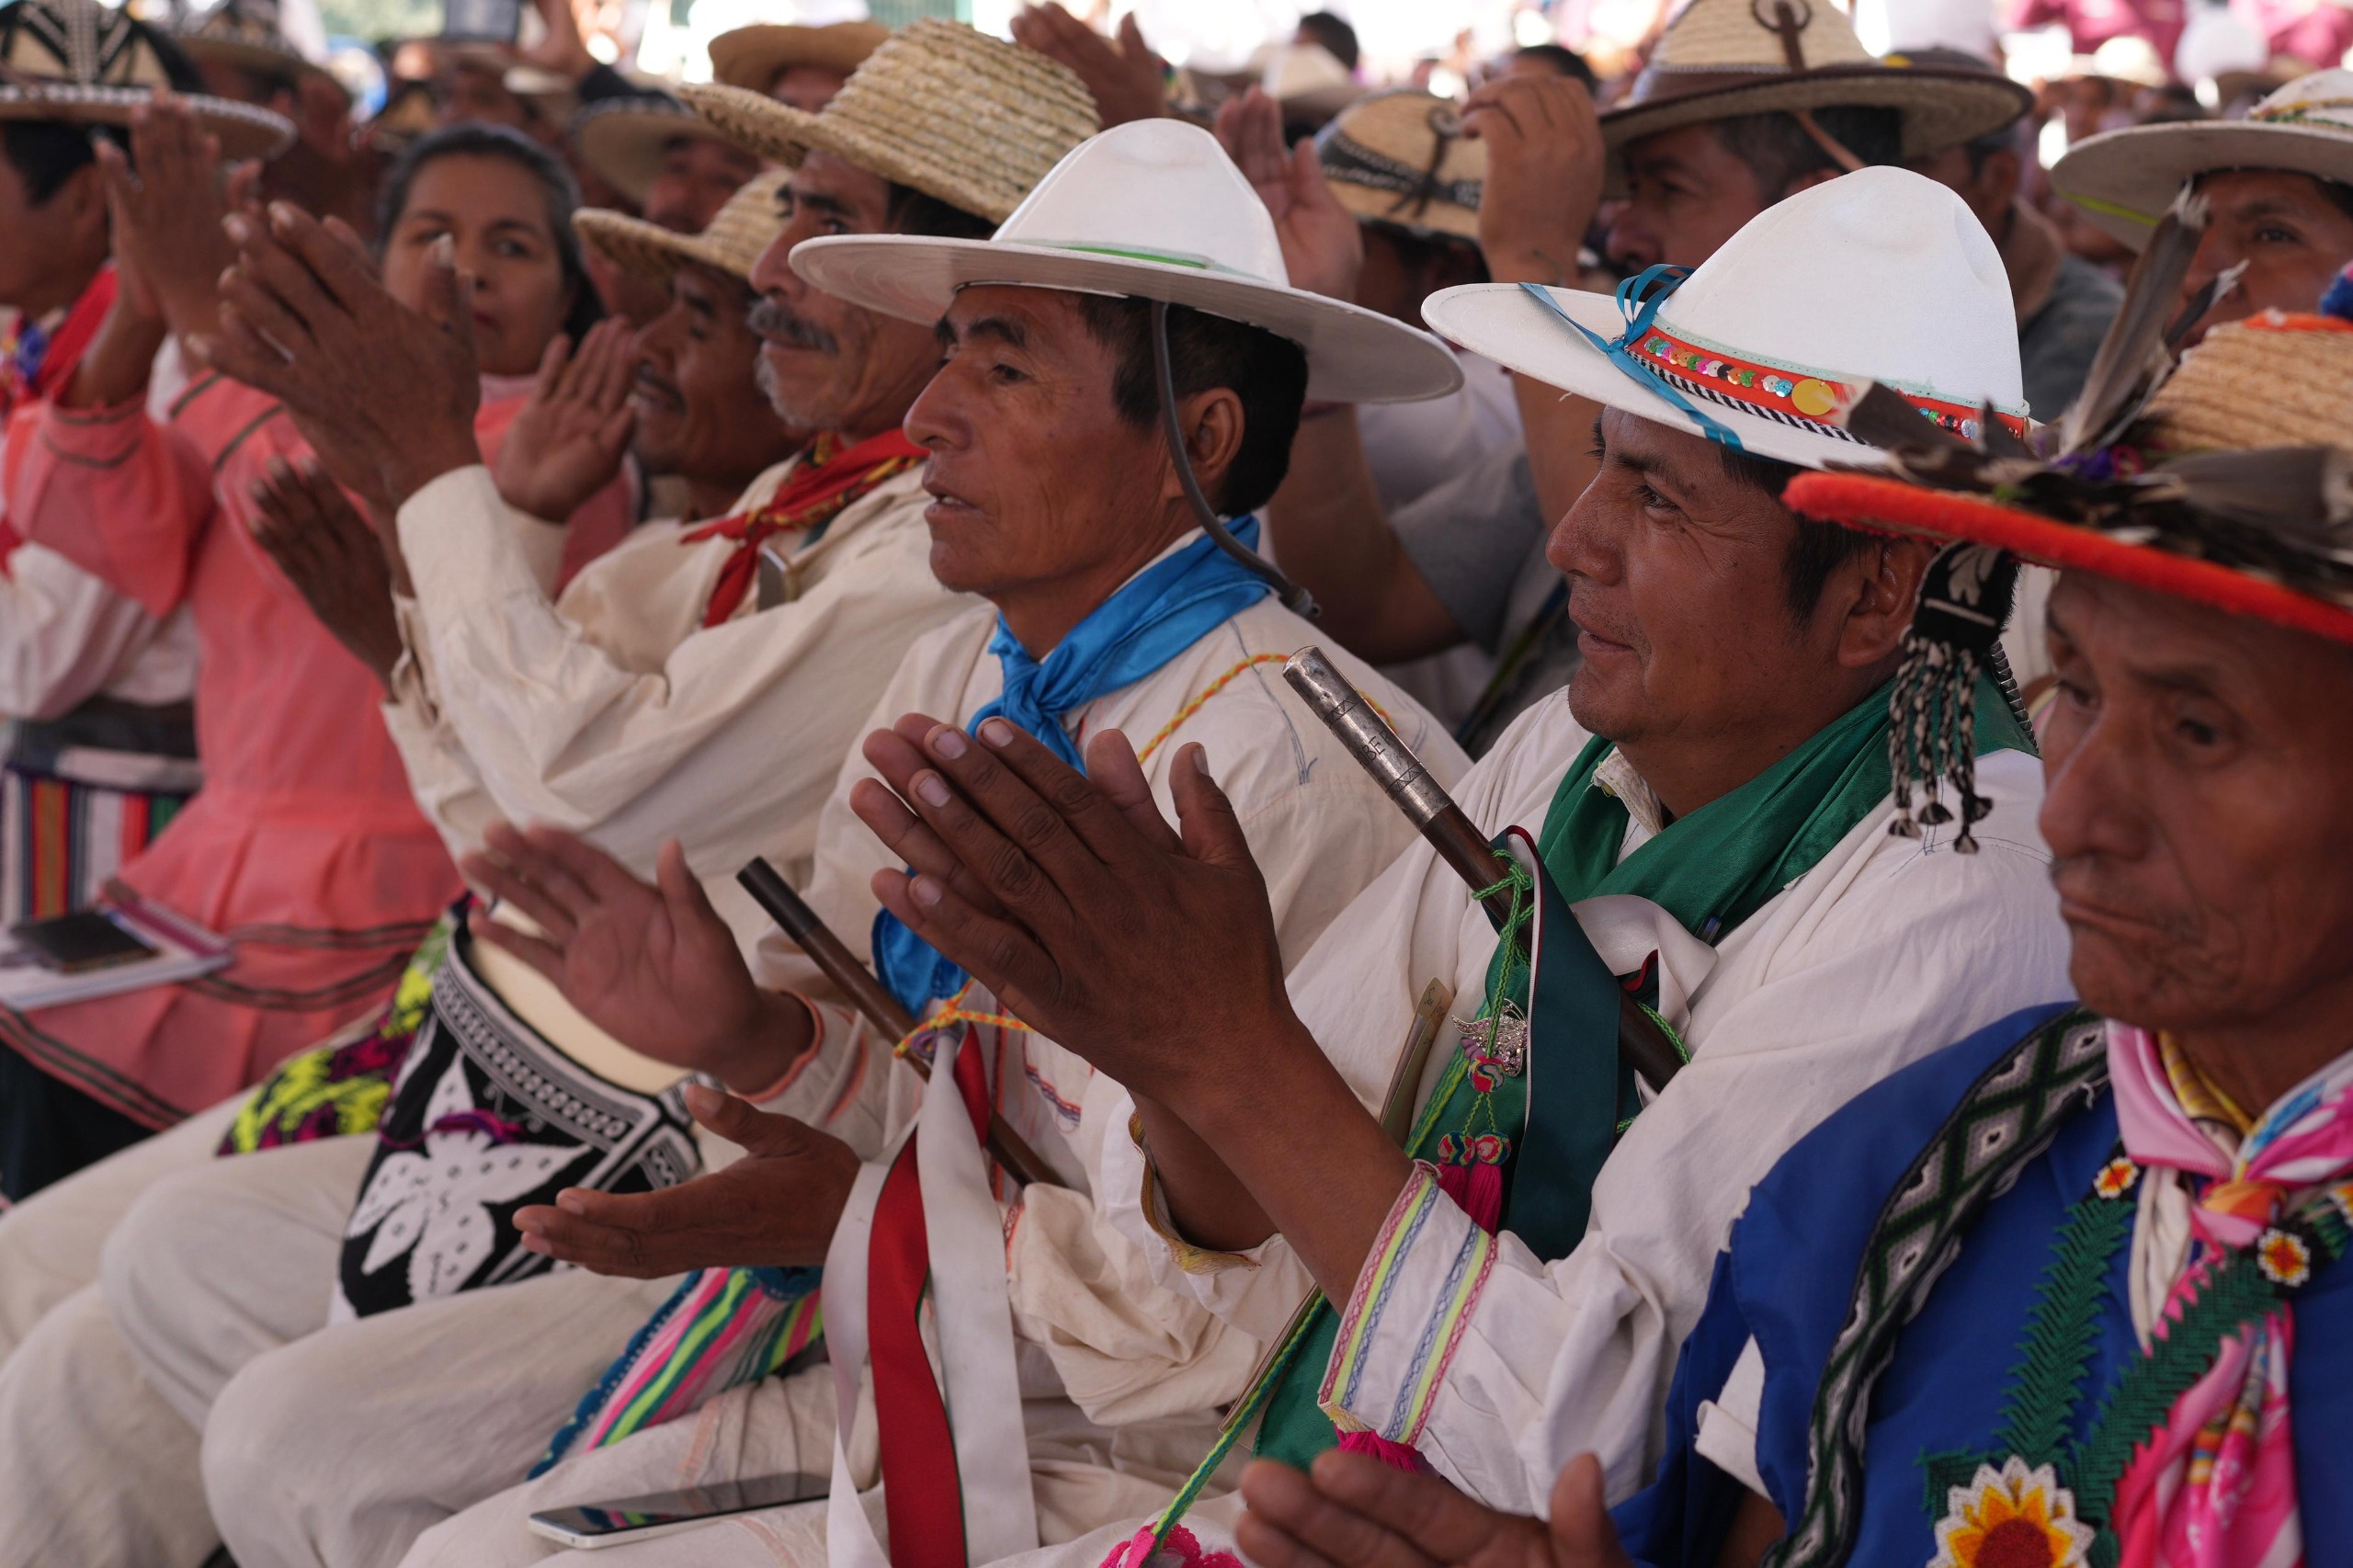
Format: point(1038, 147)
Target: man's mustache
point(776, 323)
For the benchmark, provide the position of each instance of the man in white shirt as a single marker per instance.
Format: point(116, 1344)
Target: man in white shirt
point(1075, 1391)
point(1516, 1289)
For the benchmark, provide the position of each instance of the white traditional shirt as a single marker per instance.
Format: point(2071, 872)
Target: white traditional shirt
point(1500, 1367)
point(613, 712)
point(1091, 1326)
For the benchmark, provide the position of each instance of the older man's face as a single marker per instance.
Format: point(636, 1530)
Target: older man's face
point(825, 363)
point(2197, 810)
point(1035, 479)
point(1686, 195)
point(693, 415)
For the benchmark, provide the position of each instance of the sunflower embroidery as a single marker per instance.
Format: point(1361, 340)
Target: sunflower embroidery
point(2013, 1518)
point(2284, 1257)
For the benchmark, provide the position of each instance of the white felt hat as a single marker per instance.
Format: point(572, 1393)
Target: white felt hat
point(2124, 180)
point(1880, 275)
point(1151, 210)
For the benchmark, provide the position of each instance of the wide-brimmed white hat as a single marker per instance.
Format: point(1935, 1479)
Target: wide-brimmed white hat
point(2124, 180)
point(76, 61)
point(1151, 210)
point(1723, 58)
point(1877, 276)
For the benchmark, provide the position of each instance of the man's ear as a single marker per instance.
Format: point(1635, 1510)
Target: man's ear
point(82, 202)
point(1212, 423)
point(1886, 592)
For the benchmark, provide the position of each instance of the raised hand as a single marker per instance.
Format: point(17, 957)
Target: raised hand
point(776, 1207)
point(654, 967)
point(1127, 79)
point(167, 213)
point(567, 442)
point(1322, 248)
point(308, 526)
point(386, 395)
point(1544, 176)
point(1085, 914)
point(1352, 1509)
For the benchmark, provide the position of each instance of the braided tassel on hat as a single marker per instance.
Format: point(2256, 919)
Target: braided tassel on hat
point(1964, 601)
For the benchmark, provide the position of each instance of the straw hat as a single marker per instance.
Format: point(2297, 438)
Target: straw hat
point(77, 62)
point(750, 57)
point(962, 117)
point(1719, 59)
point(1880, 275)
point(625, 139)
point(1152, 210)
point(1401, 158)
point(2124, 180)
point(738, 233)
point(244, 35)
point(2264, 386)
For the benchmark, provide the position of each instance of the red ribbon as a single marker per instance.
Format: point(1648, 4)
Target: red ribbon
point(923, 1499)
point(828, 480)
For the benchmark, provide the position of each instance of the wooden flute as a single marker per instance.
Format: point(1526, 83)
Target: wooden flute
point(1368, 738)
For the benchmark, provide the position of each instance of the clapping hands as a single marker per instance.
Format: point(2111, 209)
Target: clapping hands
point(1322, 248)
point(568, 441)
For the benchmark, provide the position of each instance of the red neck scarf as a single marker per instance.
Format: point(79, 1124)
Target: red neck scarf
point(22, 383)
point(825, 482)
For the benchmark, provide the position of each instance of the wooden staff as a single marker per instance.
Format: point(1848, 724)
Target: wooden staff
point(1642, 1043)
point(797, 920)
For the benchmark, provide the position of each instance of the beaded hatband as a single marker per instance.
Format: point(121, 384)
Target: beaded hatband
point(1786, 393)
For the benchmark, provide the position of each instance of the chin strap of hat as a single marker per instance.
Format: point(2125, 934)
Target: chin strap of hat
point(1786, 24)
point(1295, 599)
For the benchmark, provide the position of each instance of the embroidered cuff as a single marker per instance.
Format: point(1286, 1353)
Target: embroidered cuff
point(1420, 1283)
point(1190, 1258)
point(96, 438)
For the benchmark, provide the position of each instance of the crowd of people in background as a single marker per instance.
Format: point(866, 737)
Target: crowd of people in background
point(1074, 813)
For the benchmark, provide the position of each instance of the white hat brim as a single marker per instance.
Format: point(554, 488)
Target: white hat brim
point(2124, 180)
point(1353, 355)
point(1502, 323)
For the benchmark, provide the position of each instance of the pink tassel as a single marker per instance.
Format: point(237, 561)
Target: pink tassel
point(1396, 1456)
point(1482, 1198)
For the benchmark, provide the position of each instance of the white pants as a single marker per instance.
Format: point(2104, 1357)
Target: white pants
point(50, 1242)
point(1090, 1482)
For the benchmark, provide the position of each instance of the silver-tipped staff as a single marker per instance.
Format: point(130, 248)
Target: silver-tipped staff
point(1642, 1043)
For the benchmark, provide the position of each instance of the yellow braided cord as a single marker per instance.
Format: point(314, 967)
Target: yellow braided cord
point(1253, 662)
point(954, 1014)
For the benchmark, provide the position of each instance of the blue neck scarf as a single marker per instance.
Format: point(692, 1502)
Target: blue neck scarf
point(1160, 612)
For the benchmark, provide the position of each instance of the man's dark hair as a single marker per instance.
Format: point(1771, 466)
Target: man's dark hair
point(474, 139)
point(1778, 152)
point(1819, 549)
point(912, 212)
point(2340, 194)
point(1561, 60)
point(1334, 33)
point(46, 153)
point(1268, 374)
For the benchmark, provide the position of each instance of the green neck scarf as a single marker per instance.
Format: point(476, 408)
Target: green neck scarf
point(1710, 871)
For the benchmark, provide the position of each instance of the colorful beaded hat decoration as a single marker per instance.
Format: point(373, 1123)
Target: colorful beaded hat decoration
point(2226, 479)
point(76, 61)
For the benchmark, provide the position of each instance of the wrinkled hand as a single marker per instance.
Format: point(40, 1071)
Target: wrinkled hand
point(776, 1207)
point(1352, 1509)
point(567, 442)
point(384, 393)
point(167, 212)
point(1322, 247)
point(308, 526)
point(1544, 176)
point(1070, 898)
point(1127, 79)
point(654, 967)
